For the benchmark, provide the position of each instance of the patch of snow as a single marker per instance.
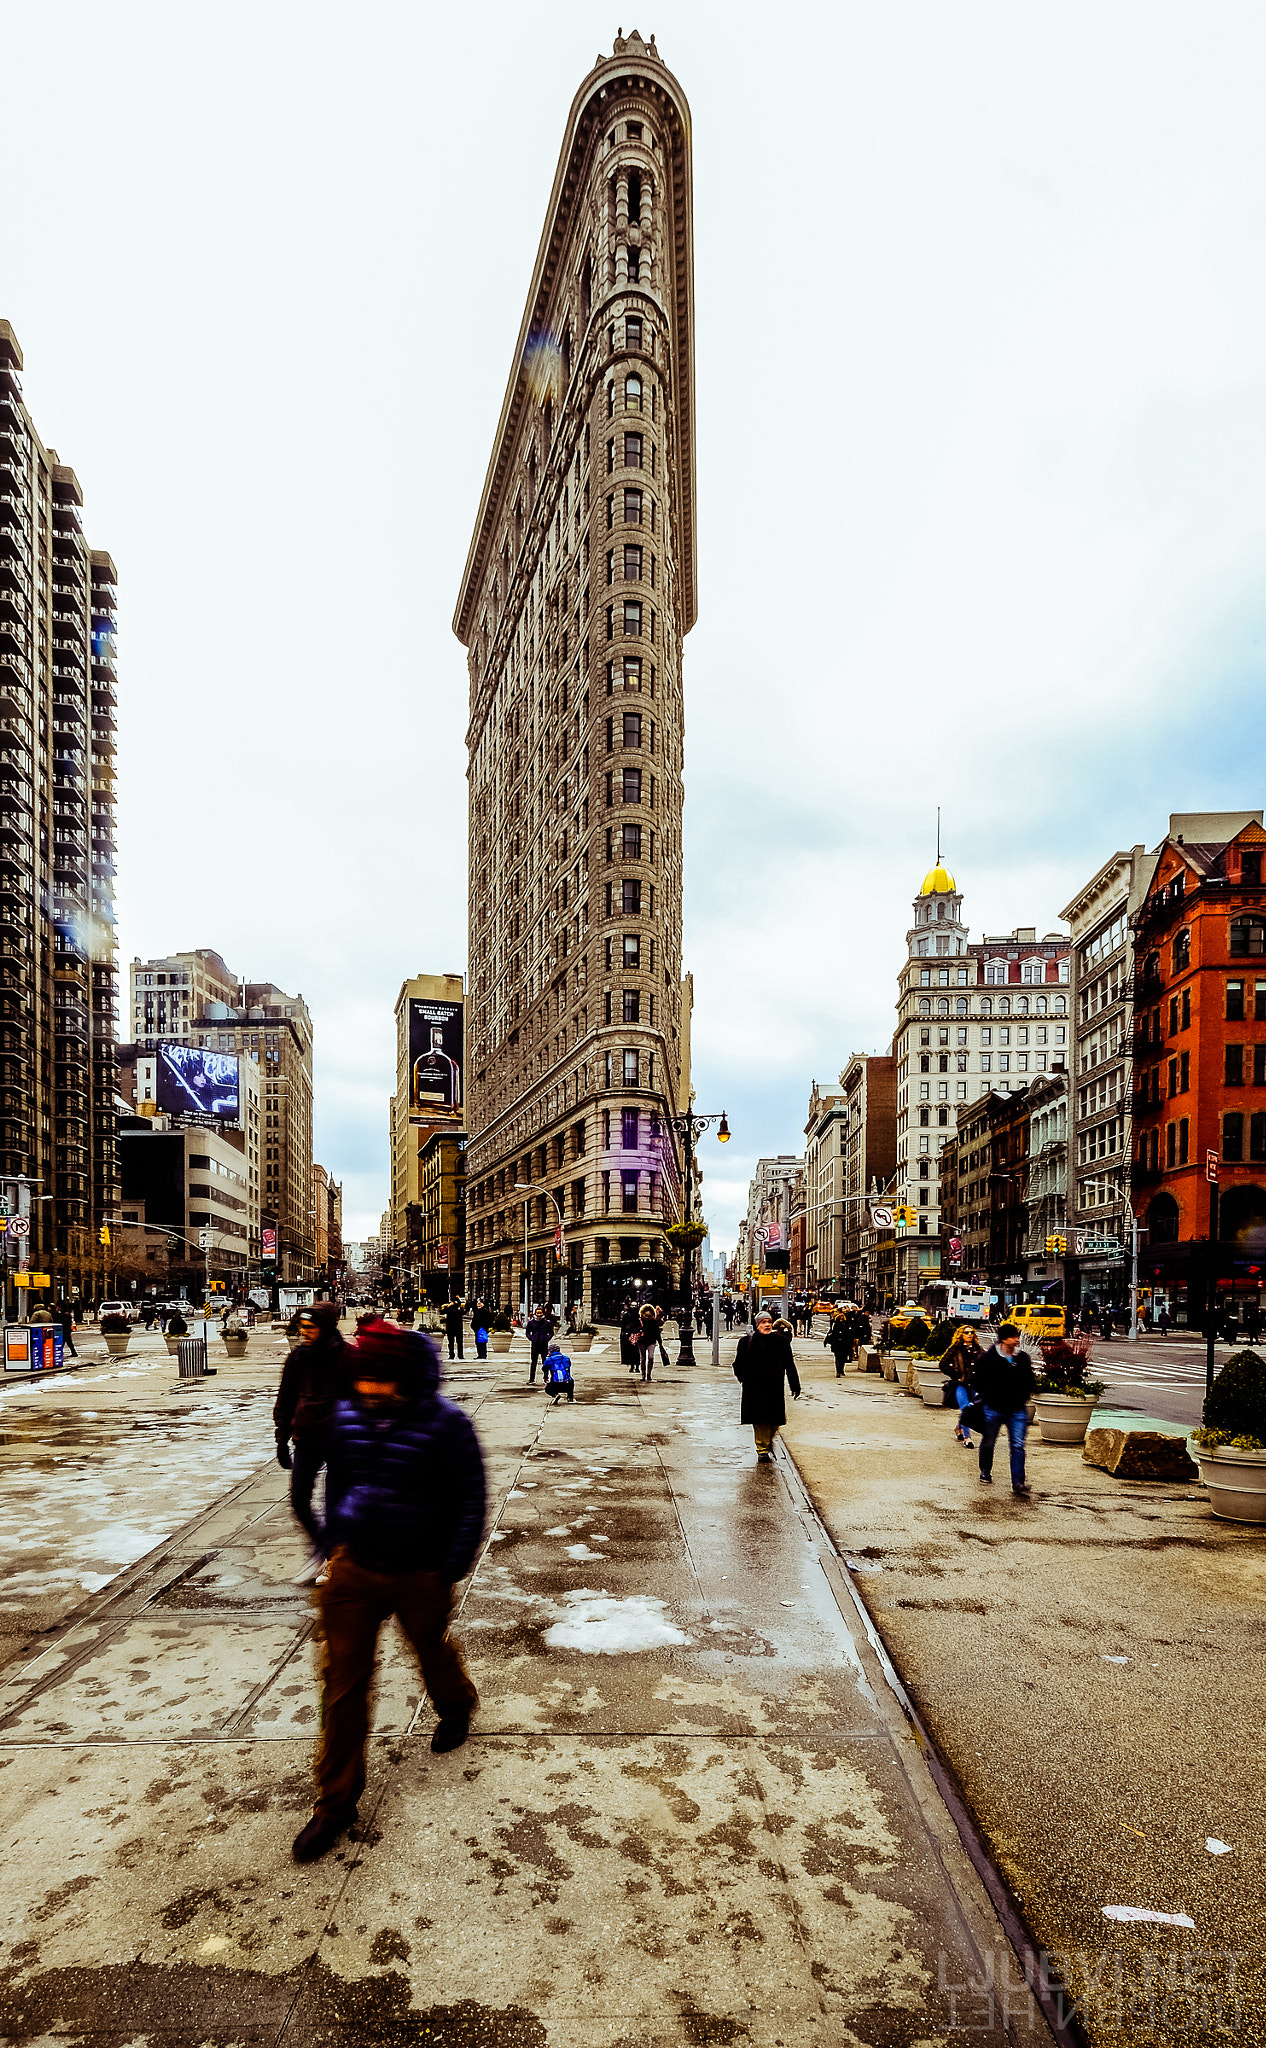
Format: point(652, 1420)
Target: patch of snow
point(606, 1627)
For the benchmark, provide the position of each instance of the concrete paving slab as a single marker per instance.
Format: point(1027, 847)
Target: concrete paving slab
point(171, 1677)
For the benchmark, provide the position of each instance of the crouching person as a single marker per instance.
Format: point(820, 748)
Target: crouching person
point(405, 1500)
point(557, 1373)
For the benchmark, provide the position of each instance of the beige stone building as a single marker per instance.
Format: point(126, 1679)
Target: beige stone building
point(320, 1217)
point(578, 592)
point(58, 968)
point(166, 997)
point(430, 1088)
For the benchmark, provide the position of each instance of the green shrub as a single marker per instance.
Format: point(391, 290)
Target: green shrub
point(943, 1335)
point(115, 1326)
point(916, 1333)
point(500, 1323)
point(177, 1326)
point(1235, 1407)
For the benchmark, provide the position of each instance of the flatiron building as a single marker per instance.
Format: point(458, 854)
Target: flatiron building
point(578, 593)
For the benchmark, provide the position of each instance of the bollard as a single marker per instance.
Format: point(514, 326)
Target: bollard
point(192, 1353)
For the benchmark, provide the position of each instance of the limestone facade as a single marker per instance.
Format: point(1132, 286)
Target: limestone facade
point(578, 592)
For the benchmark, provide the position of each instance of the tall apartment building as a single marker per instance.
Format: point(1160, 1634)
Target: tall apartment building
point(774, 1193)
point(824, 1148)
point(58, 989)
point(971, 1018)
point(196, 998)
point(869, 1147)
point(1101, 1135)
point(578, 592)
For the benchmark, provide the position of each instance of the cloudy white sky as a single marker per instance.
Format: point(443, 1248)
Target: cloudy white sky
point(981, 304)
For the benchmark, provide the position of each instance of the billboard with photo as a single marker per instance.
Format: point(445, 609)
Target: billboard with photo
point(436, 1051)
point(190, 1080)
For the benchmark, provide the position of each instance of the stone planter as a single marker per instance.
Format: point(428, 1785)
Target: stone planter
point(1236, 1481)
point(500, 1340)
point(931, 1385)
point(910, 1378)
point(234, 1342)
point(895, 1363)
point(1064, 1418)
point(117, 1346)
point(172, 1343)
point(576, 1343)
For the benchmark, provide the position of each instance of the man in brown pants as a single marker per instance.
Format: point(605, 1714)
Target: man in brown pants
point(404, 1504)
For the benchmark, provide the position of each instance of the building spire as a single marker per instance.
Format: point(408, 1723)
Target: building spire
point(938, 835)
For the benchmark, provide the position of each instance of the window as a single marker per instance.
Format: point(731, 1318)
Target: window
point(925, 1007)
point(628, 1190)
point(631, 842)
point(632, 618)
point(1184, 1133)
point(632, 565)
point(632, 387)
point(629, 1129)
point(986, 1061)
point(1186, 1009)
point(1182, 951)
point(630, 1006)
point(925, 1063)
point(632, 327)
point(1250, 870)
point(1184, 1073)
point(1234, 1076)
point(996, 971)
point(632, 951)
point(610, 457)
point(630, 1070)
point(1259, 1002)
point(633, 451)
point(1233, 1136)
point(632, 508)
point(632, 730)
point(631, 785)
point(925, 1117)
point(1257, 1135)
point(631, 897)
point(1004, 1063)
point(1259, 1066)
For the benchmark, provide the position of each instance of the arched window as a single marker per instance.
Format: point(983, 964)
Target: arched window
point(942, 1006)
point(1022, 1007)
point(611, 401)
point(986, 1006)
point(1060, 1006)
point(960, 1006)
point(925, 1006)
point(633, 394)
point(1040, 1006)
point(1004, 1006)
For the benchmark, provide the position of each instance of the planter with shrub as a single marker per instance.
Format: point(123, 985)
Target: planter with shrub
point(580, 1338)
point(177, 1328)
point(116, 1330)
point(500, 1333)
point(1066, 1399)
point(1231, 1445)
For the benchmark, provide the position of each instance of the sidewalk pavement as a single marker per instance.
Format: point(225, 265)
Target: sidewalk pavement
point(1090, 1666)
point(691, 1811)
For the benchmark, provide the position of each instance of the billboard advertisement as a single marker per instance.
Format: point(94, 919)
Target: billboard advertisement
point(191, 1081)
point(435, 1057)
point(268, 1243)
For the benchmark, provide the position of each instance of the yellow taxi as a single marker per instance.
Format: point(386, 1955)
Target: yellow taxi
point(1036, 1320)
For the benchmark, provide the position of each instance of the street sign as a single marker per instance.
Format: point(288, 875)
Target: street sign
point(441, 1255)
point(32, 1280)
point(881, 1219)
point(19, 1226)
point(204, 1240)
point(1211, 1167)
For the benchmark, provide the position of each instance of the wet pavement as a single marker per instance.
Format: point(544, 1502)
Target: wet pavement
point(692, 1809)
point(1090, 1665)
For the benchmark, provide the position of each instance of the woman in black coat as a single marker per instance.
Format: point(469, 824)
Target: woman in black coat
point(762, 1363)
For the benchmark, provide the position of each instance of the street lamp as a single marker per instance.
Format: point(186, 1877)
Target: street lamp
point(524, 1188)
point(688, 1127)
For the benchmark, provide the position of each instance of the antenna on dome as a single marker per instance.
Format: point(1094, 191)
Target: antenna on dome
point(938, 835)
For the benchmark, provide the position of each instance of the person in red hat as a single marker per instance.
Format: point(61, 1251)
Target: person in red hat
point(405, 1499)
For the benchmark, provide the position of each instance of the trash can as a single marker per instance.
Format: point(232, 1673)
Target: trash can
point(192, 1353)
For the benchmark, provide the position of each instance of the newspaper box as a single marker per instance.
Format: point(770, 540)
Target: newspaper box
point(33, 1347)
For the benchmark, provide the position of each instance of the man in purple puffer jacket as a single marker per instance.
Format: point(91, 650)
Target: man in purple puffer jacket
point(404, 1510)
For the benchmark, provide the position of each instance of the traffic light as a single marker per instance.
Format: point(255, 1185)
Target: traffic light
point(1057, 1245)
point(905, 1215)
point(105, 1233)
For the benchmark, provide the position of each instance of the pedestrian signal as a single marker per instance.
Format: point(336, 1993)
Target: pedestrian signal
point(105, 1233)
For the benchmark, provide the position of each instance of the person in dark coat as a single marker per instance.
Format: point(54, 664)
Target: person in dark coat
point(630, 1336)
point(313, 1378)
point(762, 1363)
point(1004, 1380)
point(66, 1317)
point(839, 1340)
point(539, 1331)
point(454, 1321)
point(959, 1364)
point(405, 1504)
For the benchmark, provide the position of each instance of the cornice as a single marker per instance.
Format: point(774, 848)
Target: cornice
point(627, 72)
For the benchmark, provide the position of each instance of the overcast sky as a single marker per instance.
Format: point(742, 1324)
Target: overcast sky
point(982, 442)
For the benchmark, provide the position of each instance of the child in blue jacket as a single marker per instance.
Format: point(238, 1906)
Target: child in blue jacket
point(557, 1374)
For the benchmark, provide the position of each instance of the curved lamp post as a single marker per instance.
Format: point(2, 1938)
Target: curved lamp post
point(689, 1127)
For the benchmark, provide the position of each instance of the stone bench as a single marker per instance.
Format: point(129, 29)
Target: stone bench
point(1139, 1454)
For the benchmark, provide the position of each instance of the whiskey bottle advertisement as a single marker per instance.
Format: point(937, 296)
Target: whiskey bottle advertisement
point(435, 1052)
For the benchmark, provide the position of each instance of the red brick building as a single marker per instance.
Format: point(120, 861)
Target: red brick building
point(1200, 1064)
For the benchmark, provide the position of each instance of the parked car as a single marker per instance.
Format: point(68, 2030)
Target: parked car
point(118, 1308)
